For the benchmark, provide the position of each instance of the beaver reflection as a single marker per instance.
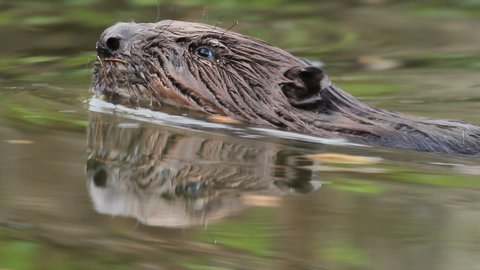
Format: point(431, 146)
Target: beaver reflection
point(170, 177)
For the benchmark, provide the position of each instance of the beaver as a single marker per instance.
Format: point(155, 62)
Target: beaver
point(216, 71)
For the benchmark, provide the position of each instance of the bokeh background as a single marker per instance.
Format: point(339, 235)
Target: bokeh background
point(410, 211)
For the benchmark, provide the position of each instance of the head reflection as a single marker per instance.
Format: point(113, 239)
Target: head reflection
point(176, 178)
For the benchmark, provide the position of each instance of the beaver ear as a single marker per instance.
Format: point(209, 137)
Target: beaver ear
point(303, 87)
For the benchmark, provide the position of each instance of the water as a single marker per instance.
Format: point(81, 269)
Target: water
point(84, 185)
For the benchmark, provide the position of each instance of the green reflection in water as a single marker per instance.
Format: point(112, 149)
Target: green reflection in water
point(246, 235)
point(24, 255)
point(440, 180)
point(357, 186)
point(346, 254)
point(18, 254)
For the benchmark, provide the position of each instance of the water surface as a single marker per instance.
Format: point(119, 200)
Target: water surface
point(84, 185)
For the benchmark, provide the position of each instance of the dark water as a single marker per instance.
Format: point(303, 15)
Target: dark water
point(87, 186)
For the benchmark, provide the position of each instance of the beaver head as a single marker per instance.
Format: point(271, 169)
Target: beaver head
point(213, 70)
point(205, 68)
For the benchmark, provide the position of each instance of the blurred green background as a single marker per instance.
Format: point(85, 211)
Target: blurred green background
point(420, 57)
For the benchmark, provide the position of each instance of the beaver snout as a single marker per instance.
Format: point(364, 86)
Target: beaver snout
point(116, 39)
point(107, 48)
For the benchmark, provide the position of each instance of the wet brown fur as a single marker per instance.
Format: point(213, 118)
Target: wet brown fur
point(251, 80)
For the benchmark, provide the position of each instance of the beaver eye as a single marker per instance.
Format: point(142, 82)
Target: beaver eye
point(205, 52)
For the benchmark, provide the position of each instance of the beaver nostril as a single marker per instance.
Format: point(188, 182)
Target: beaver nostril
point(113, 43)
point(100, 178)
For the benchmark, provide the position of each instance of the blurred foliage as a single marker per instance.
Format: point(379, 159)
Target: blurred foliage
point(43, 106)
point(448, 9)
point(50, 48)
point(368, 88)
point(48, 68)
point(44, 118)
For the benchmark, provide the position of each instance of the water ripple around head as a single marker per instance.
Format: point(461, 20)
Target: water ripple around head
point(157, 117)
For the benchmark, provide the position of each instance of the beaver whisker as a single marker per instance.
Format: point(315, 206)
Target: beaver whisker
point(102, 67)
point(113, 59)
point(201, 36)
point(166, 27)
point(137, 87)
point(217, 23)
point(230, 28)
point(152, 92)
point(151, 99)
point(130, 87)
point(157, 5)
point(90, 63)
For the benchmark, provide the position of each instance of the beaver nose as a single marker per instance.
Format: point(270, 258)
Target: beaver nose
point(117, 39)
point(107, 48)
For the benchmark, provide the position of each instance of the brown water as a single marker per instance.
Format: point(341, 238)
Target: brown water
point(84, 185)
